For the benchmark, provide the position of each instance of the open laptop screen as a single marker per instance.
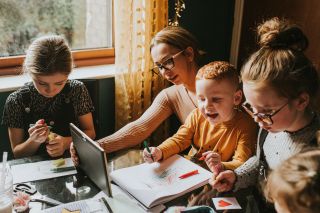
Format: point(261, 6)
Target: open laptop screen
point(92, 159)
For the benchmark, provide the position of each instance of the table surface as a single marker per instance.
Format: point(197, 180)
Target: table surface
point(62, 189)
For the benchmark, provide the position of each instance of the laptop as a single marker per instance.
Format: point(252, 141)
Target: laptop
point(92, 159)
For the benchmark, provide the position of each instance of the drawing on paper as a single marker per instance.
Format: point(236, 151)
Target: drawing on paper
point(162, 178)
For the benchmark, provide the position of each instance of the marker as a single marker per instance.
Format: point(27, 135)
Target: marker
point(188, 174)
point(202, 158)
point(105, 202)
point(62, 169)
point(145, 143)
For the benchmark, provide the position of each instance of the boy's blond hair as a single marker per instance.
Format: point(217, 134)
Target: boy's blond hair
point(219, 70)
point(297, 182)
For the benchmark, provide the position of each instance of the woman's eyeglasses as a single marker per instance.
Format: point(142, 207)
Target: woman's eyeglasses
point(166, 65)
point(264, 117)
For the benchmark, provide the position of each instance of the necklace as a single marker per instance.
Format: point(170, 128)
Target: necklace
point(194, 104)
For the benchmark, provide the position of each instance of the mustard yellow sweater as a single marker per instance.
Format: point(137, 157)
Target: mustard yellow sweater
point(234, 140)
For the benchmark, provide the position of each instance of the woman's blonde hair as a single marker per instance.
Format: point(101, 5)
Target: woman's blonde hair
point(219, 70)
point(179, 38)
point(280, 61)
point(297, 182)
point(48, 55)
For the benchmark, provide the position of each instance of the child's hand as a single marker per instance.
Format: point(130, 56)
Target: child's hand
point(155, 156)
point(39, 132)
point(74, 155)
point(56, 146)
point(213, 161)
point(224, 181)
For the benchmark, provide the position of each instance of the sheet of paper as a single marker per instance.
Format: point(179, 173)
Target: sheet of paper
point(39, 171)
point(123, 202)
point(222, 203)
point(84, 206)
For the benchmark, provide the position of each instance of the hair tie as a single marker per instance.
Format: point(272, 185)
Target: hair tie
point(311, 174)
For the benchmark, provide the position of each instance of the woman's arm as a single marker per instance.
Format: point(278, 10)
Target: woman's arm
point(136, 131)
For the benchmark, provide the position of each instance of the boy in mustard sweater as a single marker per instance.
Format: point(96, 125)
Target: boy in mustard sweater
point(217, 130)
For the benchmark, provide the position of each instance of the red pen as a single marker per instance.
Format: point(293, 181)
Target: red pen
point(188, 174)
point(202, 158)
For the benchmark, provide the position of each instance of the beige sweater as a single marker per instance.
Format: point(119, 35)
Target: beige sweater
point(174, 99)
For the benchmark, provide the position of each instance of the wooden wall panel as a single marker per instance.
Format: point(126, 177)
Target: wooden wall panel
point(305, 13)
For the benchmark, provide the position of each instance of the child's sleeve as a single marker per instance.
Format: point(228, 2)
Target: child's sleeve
point(182, 139)
point(13, 112)
point(82, 103)
point(247, 174)
point(247, 140)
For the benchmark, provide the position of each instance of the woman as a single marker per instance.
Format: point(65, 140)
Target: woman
point(176, 57)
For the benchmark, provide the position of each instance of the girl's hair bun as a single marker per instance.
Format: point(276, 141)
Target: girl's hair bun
point(280, 34)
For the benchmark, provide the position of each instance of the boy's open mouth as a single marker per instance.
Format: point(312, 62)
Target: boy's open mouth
point(212, 115)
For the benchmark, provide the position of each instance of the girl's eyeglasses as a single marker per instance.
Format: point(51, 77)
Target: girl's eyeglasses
point(166, 65)
point(264, 117)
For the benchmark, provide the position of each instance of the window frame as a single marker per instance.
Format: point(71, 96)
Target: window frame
point(12, 65)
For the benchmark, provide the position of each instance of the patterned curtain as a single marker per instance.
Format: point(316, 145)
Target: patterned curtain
point(136, 22)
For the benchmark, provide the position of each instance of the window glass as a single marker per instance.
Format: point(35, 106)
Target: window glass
point(86, 24)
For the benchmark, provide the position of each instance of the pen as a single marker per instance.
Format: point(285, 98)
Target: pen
point(148, 149)
point(62, 169)
point(188, 174)
point(202, 158)
point(105, 202)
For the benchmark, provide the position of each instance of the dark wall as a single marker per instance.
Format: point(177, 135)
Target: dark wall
point(211, 22)
point(304, 13)
point(102, 94)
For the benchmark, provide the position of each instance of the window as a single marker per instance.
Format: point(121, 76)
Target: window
point(86, 25)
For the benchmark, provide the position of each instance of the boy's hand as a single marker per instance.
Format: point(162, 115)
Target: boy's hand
point(39, 132)
point(213, 161)
point(224, 181)
point(56, 146)
point(74, 155)
point(155, 152)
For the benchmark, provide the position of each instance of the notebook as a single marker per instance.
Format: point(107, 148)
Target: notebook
point(92, 159)
point(158, 183)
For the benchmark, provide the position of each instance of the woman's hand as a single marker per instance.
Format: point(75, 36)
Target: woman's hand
point(57, 146)
point(39, 132)
point(74, 155)
point(213, 161)
point(224, 181)
point(155, 155)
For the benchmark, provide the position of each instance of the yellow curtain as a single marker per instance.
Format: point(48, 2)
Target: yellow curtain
point(136, 22)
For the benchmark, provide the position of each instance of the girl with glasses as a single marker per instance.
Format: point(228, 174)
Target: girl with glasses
point(176, 57)
point(280, 85)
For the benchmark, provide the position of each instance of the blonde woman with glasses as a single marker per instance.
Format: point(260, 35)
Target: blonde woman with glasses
point(280, 85)
point(176, 57)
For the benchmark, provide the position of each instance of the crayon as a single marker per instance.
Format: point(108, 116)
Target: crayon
point(188, 174)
